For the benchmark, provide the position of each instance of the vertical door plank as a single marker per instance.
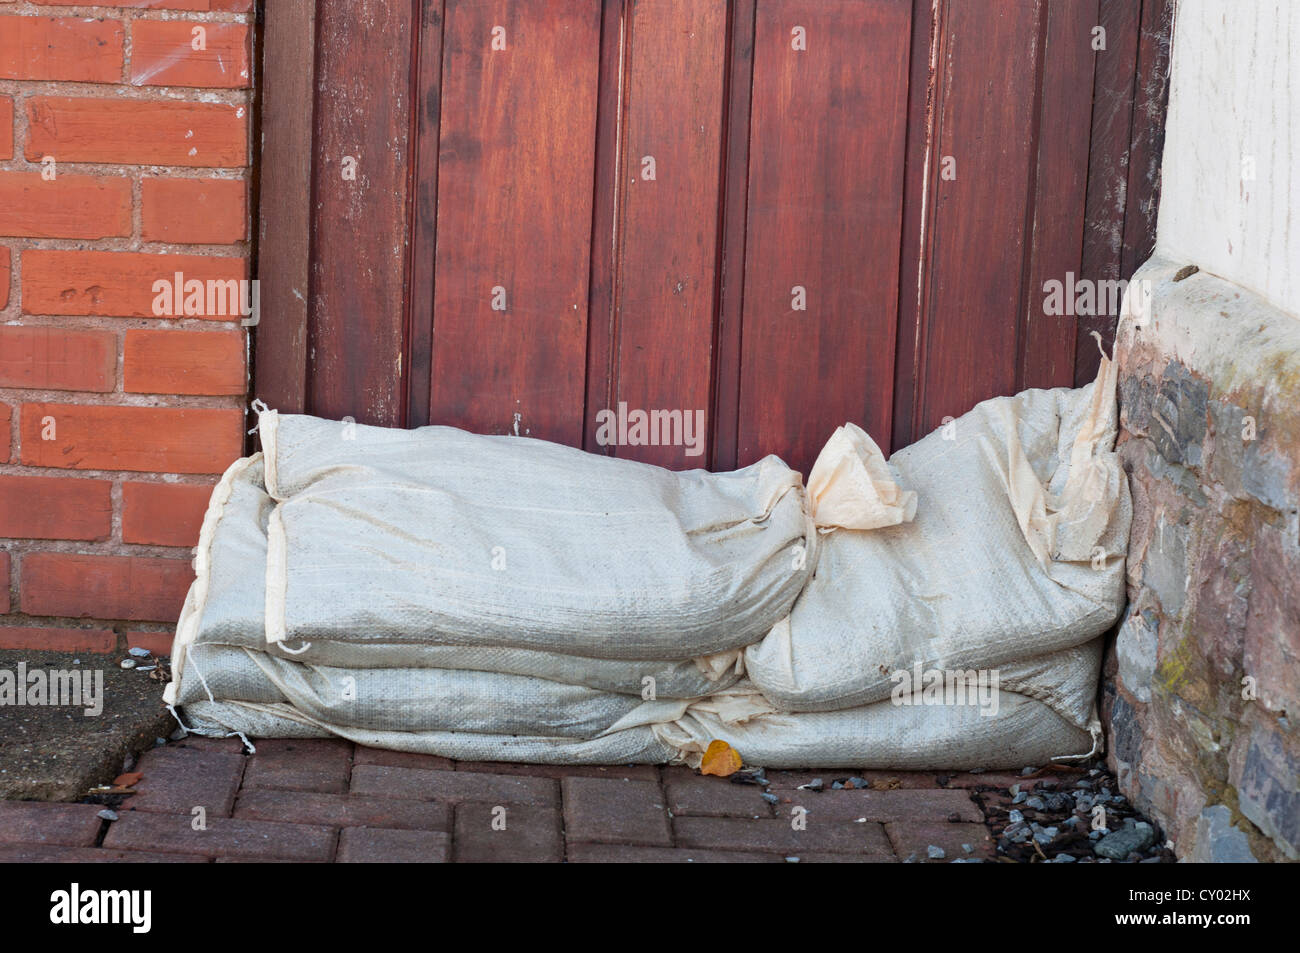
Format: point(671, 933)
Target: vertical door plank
point(600, 314)
point(735, 199)
point(827, 140)
point(284, 213)
point(986, 125)
point(515, 171)
point(1061, 184)
point(361, 224)
point(424, 215)
point(668, 223)
point(1112, 115)
point(919, 181)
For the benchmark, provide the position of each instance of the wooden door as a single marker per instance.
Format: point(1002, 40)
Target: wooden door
point(767, 216)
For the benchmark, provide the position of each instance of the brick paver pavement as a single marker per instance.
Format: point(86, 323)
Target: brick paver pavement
point(203, 800)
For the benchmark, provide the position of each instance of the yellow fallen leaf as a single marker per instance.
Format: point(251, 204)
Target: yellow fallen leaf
point(720, 759)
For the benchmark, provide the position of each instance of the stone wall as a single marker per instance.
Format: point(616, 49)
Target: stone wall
point(1201, 687)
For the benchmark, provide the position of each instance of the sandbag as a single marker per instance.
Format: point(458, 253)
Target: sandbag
point(232, 585)
point(1016, 552)
point(438, 536)
point(882, 735)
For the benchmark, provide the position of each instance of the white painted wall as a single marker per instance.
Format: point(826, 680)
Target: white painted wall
point(1235, 94)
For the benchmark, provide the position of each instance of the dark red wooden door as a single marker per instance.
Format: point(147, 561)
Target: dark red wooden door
point(769, 216)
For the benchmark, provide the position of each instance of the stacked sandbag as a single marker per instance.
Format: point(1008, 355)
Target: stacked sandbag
point(437, 581)
point(491, 598)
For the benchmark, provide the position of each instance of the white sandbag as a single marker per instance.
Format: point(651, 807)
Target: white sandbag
point(1016, 552)
point(232, 583)
point(439, 536)
point(398, 699)
point(883, 735)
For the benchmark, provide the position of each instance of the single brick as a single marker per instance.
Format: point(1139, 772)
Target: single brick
point(45, 358)
point(916, 837)
point(361, 845)
point(137, 132)
point(400, 759)
point(693, 795)
point(4, 582)
point(501, 833)
point(6, 440)
point(36, 822)
point(140, 588)
point(194, 211)
point(163, 53)
point(898, 805)
point(71, 49)
point(158, 643)
point(381, 781)
point(732, 833)
point(54, 639)
point(184, 362)
point(70, 206)
point(632, 772)
point(224, 837)
point(190, 5)
point(300, 765)
point(30, 854)
point(339, 810)
point(612, 854)
point(55, 508)
point(6, 134)
point(175, 780)
point(132, 285)
point(606, 811)
point(163, 514)
point(148, 439)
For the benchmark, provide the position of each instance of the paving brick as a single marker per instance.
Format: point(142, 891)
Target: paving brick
point(381, 781)
point(30, 854)
point(633, 772)
point(531, 834)
point(224, 837)
point(777, 835)
point(401, 759)
point(902, 804)
point(692, 795)
point(203, 743)
point(821, 857)
point(610, 811)
point(339, 810)
point(914, 837)
point(362, 845)
point(320, 765)
point(882, 780)
point(612, 854)
point(36, 822)
point(175, 780)
point(1004, 779)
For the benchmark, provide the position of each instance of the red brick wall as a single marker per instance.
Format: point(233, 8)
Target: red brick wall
point(114, 423)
